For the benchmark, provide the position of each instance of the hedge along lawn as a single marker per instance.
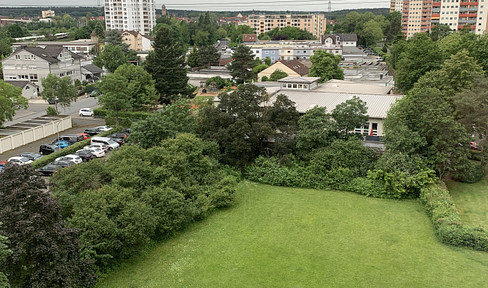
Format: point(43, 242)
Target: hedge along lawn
point(471, 201)
point(287, 237)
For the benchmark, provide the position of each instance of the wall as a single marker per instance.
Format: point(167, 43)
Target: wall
point(31, 135)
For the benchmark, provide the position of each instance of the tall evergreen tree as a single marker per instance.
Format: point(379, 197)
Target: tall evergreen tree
point(167, 66)
point(241, 68)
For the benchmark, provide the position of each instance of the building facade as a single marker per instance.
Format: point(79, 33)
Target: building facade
point(137, 41)
point(130, 15)
point(423, 15)
point(48, 13)
point(313, 23)
point(33, 64)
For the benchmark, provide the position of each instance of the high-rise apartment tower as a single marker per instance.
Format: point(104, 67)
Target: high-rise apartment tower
point(130, 15)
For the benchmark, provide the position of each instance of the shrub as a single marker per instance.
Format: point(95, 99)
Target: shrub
point(264, 78)
point(50, 111)
point(447, 222)
point(90, 88)
point(470, 173)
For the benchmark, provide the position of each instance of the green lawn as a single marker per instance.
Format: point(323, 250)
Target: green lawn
point(471, 201)
point(284, 237)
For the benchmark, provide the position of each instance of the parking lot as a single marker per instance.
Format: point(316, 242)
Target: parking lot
point(79, 125)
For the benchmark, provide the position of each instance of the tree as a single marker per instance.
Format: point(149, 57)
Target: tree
point(287, 33)
point(349, 115)
point(208, 55)
point(440, 31)
point(167, 122)
point(5, 44)
point(45, 251)
point(326, 66)
point(60, 90)
point(115, 95)
point(420, 56)
point(167, 64)
point(277, 75)
point(242, 65)
point(140, 85)
point(372, 32)
point(99, 30)
point(4, 253)
point(16, 31)
point(111, 57)
point(316, 129)
point(193, 58)
point(394, 29)
point(11, 100)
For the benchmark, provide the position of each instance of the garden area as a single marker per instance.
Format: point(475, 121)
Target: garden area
point(290, 237)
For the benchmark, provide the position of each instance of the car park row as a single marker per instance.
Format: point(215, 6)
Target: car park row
point(96, 149)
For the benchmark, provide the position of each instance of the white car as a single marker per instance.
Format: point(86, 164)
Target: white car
point(99, 153)
point(86, 112)
point(70, 157)
point(19, 160)
point(101, 146)
point(104, 128)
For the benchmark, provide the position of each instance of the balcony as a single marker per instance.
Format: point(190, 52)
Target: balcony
point(470, 15)
point(469, 4)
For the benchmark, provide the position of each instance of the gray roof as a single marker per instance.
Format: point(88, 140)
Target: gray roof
point(349, 37)
point(48, 53)
point(342, 86)
point(378, 105)
point(94, 69)
point(20, 84)
point(350, 50)
point(291, 79)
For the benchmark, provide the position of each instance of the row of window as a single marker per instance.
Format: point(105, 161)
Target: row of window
point(26, 57)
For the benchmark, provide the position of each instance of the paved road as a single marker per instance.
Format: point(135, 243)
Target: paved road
point(79, 125)
point(38, 107)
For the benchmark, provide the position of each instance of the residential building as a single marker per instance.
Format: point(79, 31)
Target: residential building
point(82, 47)
point(48, 13)
point(313, 23)
point(422, 15)
point(291, 67)
point(396, 6)
point(130, 15)
point(273, 53)
point(35, 63)
point(137, 41)
point(91, 73)
point(307, 93)
point(29, 89)
point(249, 37)
point(339, 40)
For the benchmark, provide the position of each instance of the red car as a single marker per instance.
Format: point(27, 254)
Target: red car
point(85, 136)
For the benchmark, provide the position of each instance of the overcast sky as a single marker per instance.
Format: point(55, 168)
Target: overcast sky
point(223, 5)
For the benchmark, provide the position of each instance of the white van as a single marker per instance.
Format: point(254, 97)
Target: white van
point(105, 140)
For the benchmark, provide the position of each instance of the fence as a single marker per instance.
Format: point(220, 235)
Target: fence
point(33, 134)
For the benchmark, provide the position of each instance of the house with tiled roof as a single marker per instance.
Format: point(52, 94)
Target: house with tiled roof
point(293, 68)
point(34, 64)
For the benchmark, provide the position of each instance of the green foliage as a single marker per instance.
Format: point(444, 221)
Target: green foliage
point(219, 81)
point(167, 122)
point(316, 129)
point(208, 56)
point(4, 253)
point(193, 58)
point(11, 100)
point(111, 57)
point(372, 32)
point(50, 111)
point(58, 88)
point(421, 55)
point(242, 125)
point(241, 68)
point(264, 78)
point(447, 223)
point(326, 66)
point(470, 173)
point(259, 68)
point(142, 194)
point(115, 94)
point(45, 251)
point(277, 75)
point(286, 33)
point(140, 86)
point(171, 79)
point(440, 31)
point(349, 115)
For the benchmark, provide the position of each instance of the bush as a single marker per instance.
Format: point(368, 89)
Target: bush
point(470, 173)
point(447, 222)
point(50, 111)
point(90, 88)
point(264, 78)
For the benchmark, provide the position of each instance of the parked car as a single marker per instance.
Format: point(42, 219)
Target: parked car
point(70, 157)
point(101, 146)
point(49, 169)
point(2, 164)
point(96, 151)
point(85, 154)
point(19, 160)
point(31, 155)
point(120, 141)
point(104, 128)
point(84, 135)
point(86, 112)
point(105, 140)
point(92, 131)
point(46, 149)
point(94, 93)
point(123, 135)
point(62, 144)
point(53, 101)
point(72, 138)
point(64, 163)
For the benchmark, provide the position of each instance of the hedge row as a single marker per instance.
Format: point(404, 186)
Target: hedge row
point(447, 222)
point(65, 151)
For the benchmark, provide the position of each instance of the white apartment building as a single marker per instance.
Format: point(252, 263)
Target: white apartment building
point(313, 23)
point(130, 15)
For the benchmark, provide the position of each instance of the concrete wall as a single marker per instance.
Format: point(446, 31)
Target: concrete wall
point(31, 135)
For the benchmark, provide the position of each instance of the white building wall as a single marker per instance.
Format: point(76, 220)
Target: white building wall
point(136, 15)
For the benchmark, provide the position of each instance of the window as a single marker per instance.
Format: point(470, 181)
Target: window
point(33, 77)
point(17, 57)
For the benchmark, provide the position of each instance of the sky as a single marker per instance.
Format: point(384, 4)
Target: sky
point(223, 5)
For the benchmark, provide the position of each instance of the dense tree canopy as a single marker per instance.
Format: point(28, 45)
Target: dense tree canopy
point(11, 100)
point(111, 57)
point(326, 66)
point(115, 95)
point(241, 67)
point(286, 33)
point(60, 90)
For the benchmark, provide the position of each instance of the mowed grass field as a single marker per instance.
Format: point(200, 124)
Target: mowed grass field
point(285, 237)
point(471, 201)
